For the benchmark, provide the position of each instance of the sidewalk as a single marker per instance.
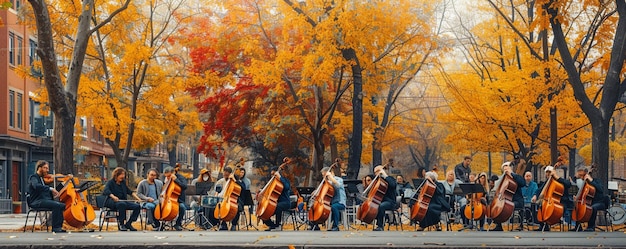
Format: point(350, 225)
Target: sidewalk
point(15, 222)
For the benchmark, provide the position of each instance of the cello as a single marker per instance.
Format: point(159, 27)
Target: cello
point(582, 202)
point(479, 208)
point(374, 194)
point(78, 212)
point(502, 206)
point(228, 208)
point(319, 209)
point(267, 199)
point(419, 209)
point(551, 210)
point(168, 208)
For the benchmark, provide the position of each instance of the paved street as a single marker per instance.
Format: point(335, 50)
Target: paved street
point(302, 239)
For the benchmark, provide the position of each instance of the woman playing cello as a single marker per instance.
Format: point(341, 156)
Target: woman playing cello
point(437, 203)
point(478, 201)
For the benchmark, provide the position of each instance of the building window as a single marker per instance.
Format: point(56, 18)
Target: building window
point(83, 127)
point(32, 51)
point(11, 108)
point(20, 48)
point(19, 110)
point(11, 48)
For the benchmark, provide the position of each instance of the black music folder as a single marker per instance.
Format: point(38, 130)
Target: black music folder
point(203, 188)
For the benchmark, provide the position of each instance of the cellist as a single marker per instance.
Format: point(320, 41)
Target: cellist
point(438, 203)
point(220, 184)
point(283, 203)
point(582, 173)
point(173, 175)
point(518, 198)
point(41, 195)
point(338, 202)
point(117, 192)
point(389, 200)
point(565, 200)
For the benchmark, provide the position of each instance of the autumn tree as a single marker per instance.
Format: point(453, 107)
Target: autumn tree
point(506, 94)
point(596, 47)
point(70, 24)
point(138, 82)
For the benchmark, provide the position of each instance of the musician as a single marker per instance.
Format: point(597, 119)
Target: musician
point(529, 189)
point(220, 184)
point(482, 180)
point(338, 202)
point(117, 192)
point(365, 181)
point(462, 170)
point(283, 202)
point(449, 184)
point(242, 177)
point(565, 200)
point(437, 204)
point(41, 195)
point(148, 191)
point(173, 175)
point(389, 200)
point(402, 185)
point(421, 173)
point(205, 176)
point(518, 198)
point(598, 199)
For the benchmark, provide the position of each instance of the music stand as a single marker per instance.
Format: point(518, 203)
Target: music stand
point(203, 188)
point(417, 182)
point(246, 196)
point(470, 189)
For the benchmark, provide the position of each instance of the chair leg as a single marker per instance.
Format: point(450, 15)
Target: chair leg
point(35, 220)
point(26, 222)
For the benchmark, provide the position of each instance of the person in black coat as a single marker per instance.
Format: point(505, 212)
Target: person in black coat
point(41, 195)
point(518, 198)
point(117, 191)
point(389, 200)
point(599, 199)
point(564, 199)
point(437, 204)
point(172, 174)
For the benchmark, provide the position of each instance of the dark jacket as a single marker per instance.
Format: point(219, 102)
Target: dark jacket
point(284, 196)
point(37, 190)
point(182, 182)
point(599, 196)
point(438, 204)
point(462, 173)
point(390, 195)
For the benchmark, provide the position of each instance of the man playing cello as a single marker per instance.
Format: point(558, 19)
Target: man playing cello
point(564, 199)
point(228, 174)
point(173, 175)
point(338, 202)
point(518, 198)
point(41, 196)
point(389, 200)
point(598, 198)
point(283, 202)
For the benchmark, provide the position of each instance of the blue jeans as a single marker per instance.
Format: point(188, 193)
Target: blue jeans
point(182, 209)
point(382, 208)
point(150, 206)
point(335, 211)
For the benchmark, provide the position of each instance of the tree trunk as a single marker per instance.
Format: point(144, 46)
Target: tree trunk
point(64, 138)
point(600, 150)
point(356, 140)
